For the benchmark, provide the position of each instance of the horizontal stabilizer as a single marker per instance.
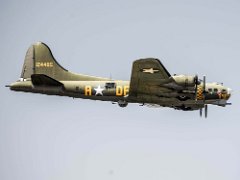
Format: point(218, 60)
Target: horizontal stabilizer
point(44, 80)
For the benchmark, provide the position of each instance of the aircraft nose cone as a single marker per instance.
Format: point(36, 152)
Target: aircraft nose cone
point(229, 92)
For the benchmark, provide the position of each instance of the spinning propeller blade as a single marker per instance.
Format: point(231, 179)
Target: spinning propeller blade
point(204, 97)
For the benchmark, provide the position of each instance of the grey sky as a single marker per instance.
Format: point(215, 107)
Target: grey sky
point(47, 137)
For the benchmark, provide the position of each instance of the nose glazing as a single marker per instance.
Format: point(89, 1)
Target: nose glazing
point(229, 91)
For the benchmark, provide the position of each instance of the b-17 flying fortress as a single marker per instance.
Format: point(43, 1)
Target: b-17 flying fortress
point(150, 84)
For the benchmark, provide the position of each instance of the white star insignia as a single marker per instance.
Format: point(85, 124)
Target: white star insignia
point(99, 90)
point(151, 70)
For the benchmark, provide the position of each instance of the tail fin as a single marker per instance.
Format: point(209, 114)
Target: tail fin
point(39, 60)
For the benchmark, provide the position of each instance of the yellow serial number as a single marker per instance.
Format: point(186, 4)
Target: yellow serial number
point(44, 64)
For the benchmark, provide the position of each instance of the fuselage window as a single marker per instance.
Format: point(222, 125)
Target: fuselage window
point(110, 85)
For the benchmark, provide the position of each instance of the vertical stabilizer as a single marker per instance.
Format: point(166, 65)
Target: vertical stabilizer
point(39, 60)
point(46, 64)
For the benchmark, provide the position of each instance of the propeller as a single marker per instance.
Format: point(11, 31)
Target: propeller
point(204, 88)
point(204, 97)
point(196, 85)
point(206, 110)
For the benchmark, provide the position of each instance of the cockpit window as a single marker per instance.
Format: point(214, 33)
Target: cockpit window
point(224, 90)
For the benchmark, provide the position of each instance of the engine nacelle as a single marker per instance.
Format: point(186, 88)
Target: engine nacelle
point(185, 81)
point(122, 103)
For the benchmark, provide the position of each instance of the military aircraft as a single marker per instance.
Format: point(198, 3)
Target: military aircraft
point(150, 84)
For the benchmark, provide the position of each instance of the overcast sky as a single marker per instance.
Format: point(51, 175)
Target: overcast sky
point(53, 138)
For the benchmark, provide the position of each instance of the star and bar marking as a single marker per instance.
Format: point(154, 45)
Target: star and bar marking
point(99, 90)
point(150, 70)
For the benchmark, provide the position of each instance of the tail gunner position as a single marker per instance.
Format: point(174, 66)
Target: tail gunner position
point(150, 84)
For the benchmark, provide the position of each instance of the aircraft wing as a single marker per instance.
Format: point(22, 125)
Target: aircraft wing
point(147, 73)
